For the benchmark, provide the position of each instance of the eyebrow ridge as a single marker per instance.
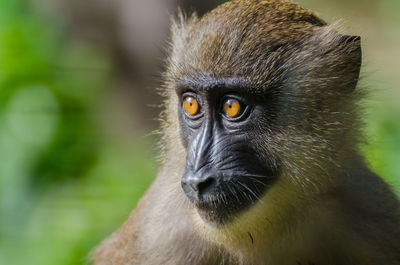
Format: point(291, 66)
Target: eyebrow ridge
point(207, 83)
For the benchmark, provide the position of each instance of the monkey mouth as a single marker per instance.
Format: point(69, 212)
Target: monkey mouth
point(216, 211)
point(228, 201)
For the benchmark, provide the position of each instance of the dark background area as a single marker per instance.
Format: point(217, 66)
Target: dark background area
point(78, 105)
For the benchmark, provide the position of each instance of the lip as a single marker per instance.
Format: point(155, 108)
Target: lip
point(214, 212)
point(220, 208)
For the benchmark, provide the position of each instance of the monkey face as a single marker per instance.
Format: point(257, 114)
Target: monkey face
point(220, 124)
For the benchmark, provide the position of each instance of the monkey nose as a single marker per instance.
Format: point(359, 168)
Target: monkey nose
point(197, 187)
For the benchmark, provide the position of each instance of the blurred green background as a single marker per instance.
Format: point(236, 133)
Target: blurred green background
point(78, 105)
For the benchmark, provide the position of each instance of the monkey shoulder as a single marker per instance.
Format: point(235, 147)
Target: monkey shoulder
point(370, 216)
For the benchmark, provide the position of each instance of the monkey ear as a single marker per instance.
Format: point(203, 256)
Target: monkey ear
point(333, 60)
point(328, 60)
point(351, 44)
point(352, 56)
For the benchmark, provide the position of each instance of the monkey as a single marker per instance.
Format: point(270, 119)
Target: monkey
point(261, 164)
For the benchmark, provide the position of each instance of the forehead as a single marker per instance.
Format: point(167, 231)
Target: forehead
point(237, 37)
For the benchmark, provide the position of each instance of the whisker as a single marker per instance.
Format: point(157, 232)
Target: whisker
point(247, 188)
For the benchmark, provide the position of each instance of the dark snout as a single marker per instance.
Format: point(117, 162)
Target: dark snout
point(198, 185)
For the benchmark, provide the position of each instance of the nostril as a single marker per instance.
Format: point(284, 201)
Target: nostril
point(206, 185)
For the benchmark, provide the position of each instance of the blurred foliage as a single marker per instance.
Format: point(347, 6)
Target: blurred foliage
point(56, 175)
point(383, 142)
point(63, 184)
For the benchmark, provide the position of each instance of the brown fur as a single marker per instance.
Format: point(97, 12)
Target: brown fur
point(327, 207)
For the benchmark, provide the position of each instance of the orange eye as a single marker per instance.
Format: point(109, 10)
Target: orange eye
point(191, 106)
point(232, 108)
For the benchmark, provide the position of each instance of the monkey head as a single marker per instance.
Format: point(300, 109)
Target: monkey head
point(264, 93)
